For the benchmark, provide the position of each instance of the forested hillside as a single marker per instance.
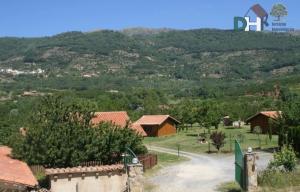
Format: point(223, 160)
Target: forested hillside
point(170, 60)
point(146, 71)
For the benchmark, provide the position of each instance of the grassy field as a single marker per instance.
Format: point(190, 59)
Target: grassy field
point(189, 140)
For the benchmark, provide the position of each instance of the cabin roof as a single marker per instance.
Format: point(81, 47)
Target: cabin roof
point(119, 118)
point(155, 119)
point(270, 114)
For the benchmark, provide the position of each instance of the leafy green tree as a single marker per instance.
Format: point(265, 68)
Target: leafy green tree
point(278, 10)
point(187, 112)
point(60, 134)
point(287, 120)
point(201, 112)
point(214, 114)
point(109, 142)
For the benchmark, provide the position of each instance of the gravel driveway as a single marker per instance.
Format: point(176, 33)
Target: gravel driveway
point(201, 173)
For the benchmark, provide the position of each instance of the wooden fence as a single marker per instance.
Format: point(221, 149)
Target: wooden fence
point(148, 161)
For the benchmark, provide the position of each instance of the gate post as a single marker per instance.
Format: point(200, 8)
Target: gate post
point(250, 171)
point(135, 178)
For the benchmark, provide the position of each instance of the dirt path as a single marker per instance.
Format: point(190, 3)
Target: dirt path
point(201, 173)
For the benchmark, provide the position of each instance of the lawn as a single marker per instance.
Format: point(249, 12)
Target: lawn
point(189, 140)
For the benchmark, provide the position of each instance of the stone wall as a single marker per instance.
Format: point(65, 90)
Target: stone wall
point(88, 179)
point(109, 178)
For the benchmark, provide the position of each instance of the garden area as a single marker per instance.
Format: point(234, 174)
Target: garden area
point(197, 140)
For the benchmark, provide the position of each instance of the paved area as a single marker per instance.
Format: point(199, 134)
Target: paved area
point(202, 172)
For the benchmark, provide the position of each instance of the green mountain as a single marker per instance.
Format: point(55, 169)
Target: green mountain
point(172, 60)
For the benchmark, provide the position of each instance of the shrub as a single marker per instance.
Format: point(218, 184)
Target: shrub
point(218, 139)
point(284, 159)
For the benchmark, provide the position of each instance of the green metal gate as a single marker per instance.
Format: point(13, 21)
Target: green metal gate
point(239, 164)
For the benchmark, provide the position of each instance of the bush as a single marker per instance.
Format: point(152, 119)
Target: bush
point(218, 139)
point(284, 160)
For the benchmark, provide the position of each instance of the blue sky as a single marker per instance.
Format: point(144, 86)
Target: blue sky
point(32, 18)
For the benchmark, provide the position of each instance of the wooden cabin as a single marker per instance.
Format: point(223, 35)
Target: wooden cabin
point(262, 119)
point(158, 125)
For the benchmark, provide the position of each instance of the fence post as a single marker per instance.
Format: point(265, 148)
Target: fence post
point(230, 142)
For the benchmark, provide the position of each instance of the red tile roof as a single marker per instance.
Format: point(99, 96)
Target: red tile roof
point(5, 151)
point(15, 171)
point(270, 114)
point(90, 169)
point(119, 118)
point(154, 119)
point(139, 129)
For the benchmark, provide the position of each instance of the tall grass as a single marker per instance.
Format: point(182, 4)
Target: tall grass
point(278, 179)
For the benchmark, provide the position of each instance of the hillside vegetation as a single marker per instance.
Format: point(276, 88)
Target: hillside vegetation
point(172, 60)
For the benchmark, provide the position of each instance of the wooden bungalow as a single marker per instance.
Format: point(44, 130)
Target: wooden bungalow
point(158, 125)
point(262, 119)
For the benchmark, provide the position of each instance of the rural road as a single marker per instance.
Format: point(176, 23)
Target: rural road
point(201, 173)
